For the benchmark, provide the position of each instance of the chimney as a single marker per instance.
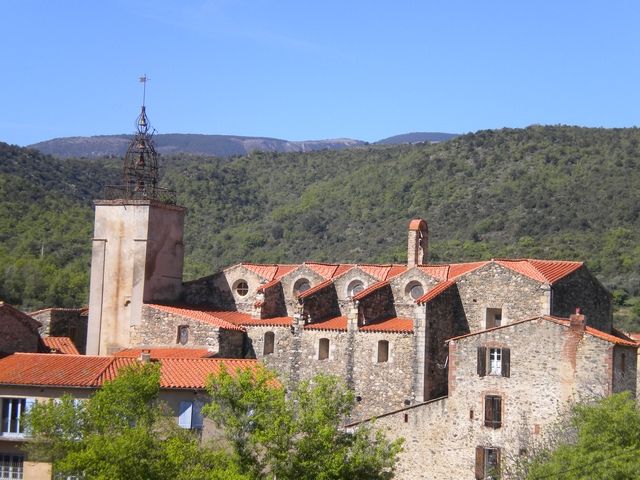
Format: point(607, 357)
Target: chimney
point(418, 242)
point(145, 356)
point(577, 321)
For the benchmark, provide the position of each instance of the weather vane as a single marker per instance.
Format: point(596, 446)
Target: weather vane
point(143, 80)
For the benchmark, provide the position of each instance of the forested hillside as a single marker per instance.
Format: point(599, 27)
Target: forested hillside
point(552, 192)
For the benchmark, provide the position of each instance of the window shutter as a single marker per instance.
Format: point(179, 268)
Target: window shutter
point(498, 468)
point(185, 414)
point(479, 463)
point(488, 411)
point(482, 361)
point(497, 412)
point(197, 414)
point(506, 362)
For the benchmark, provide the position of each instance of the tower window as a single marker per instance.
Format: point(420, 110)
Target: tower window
point(242, 288)
point(323, 349)
point(269, 341)
point(383, 351)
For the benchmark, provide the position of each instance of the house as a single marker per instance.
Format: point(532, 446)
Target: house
point(508, 385)
point(64, 322)
point(18, 331)
point(27, 378)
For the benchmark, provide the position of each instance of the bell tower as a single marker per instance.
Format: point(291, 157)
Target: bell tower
point(137, 253)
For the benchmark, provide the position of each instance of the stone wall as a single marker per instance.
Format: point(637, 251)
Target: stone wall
point(444, 316)
point(273, 304)
point(18, 332)
point(494, 286)
point(401, 287)
point(382, 386)
point(281, 358)
point(289, 282)
point(625, 369)
point(64, 322)
point(160, 329)
point(377, 305)
point(582, 289)
point(322, 304)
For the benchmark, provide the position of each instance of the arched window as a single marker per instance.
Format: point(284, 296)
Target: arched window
point(269, 340)
point(242, 287)
point(323, 349)
point(355, 287)
point(383, 351)
point(183, 334)
point(301, 285)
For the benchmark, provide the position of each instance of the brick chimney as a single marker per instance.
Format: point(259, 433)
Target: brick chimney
point(577, 321)
point(418, 242)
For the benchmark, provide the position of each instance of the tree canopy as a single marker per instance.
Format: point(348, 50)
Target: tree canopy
point(123, 431)
point(604, 443)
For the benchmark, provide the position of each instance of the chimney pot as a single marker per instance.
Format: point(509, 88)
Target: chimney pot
point(577, 321)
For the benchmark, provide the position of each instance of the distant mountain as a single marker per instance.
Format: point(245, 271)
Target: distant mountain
point(417, 137)
point(216, 145)
point(194, 144)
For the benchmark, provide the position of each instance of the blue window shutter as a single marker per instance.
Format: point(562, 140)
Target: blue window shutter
point(185, 413)
point(197, 414)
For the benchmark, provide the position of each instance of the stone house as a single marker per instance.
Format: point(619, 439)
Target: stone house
point(18, 331)
point(508, 385)
point(64, 322)
point(27, 378)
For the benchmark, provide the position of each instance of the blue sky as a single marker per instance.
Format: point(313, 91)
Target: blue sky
point(309, 70)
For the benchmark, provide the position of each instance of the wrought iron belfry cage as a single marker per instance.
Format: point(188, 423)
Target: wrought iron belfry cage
point(140, 174)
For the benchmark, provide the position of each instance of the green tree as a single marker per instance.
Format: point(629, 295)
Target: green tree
point(604, 442)
point(296, 435)
point(123, 432)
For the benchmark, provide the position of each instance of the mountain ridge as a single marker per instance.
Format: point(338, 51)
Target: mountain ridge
point(214, 145)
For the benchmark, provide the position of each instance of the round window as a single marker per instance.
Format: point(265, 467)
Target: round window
point(301, 286)
point(415, 290)
point(242, 288)
point(354, 288)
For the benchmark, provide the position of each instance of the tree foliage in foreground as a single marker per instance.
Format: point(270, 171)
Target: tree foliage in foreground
point(297, 435)
point(124, 432)
point(606, 444)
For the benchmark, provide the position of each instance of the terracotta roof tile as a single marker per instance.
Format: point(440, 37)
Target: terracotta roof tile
point(457, 269)
point(165, 352)
point(435, 292)
point(336, 323)
point(554, 270)
point(559, 321)
point(90, 371)
point(417, 224)
point(269, 284)
point(60, 345)
point(325, 270)
point(392, 325)
point(317, 288)
point(226, 320)
point(439, 272)
point(369, 290)
point(268, 322)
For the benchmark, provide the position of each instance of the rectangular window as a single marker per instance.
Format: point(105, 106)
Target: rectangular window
point(323, 349)
point(493, 411)
point(11, 466)
point(494, 361)
point(487, 463)
point(494, 317)
point(383, 351)
point(12, 411)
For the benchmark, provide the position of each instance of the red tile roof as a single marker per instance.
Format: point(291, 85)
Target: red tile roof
point(268, 322)
point(457, 269)
point(165, 352)
point(548, 271)
point(559, 321)
point(439, 272)
point(336, 323)
point(60, 345)
point(90, 371)
point(369, 290)
point(226, 320)
point(417, 224)
point(317, 288)
point(269, 284)
point(391, 325)
point(435, 292)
